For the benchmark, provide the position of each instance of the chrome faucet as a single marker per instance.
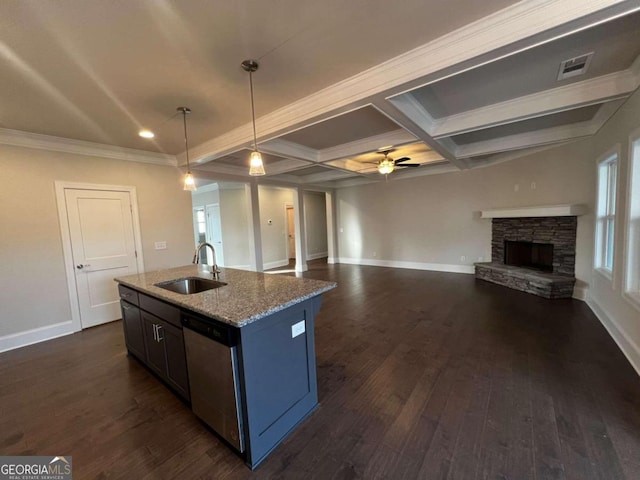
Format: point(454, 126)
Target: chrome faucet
point(215, 271)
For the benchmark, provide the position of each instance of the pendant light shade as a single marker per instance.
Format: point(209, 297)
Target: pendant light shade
point(189, 181)
point(256, 167)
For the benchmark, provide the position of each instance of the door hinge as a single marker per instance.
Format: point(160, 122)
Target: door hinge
point(136, 252)
point(131, 208)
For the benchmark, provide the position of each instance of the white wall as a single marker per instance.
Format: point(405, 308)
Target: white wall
point(606, 297)
point(431, 222)
point(315, 215)
point(33, 284)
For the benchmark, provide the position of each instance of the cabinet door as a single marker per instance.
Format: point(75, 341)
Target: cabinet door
point(173, 341)
point(155, 349)
point(133, 335)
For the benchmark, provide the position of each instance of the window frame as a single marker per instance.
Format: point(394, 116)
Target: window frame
point(631, 284)
point(606, 212)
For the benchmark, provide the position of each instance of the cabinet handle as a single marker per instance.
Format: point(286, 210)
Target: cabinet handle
point(158, 330)
point(155, 333)
point(125, 295)
point(126, 307)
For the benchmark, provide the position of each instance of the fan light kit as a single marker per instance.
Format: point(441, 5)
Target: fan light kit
point(256, 167)
point(189, 181)
point(387, 165)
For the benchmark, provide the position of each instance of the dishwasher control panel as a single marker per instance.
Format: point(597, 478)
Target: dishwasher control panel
point(222, 333)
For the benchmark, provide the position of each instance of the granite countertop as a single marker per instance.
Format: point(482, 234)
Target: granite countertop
point(248, 296)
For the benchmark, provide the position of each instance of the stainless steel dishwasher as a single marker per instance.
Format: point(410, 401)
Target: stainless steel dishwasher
point(212, 361)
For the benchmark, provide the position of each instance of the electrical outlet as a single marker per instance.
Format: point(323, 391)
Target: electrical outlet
point(463, 258)
point(481, 259)
point(297, 329)
point(516, 187)
point(161, 245)
point(375, 254)
point(533, 185)
point(341, 230)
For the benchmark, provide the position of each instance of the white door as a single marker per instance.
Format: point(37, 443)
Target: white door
point(103, 247)
point(214, 232)
point(291, 232)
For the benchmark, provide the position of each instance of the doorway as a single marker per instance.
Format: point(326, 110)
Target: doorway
point(101, 240)
point(207, 224)
point(291, 232)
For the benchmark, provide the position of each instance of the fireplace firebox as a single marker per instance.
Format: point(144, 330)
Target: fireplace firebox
point(537, 256)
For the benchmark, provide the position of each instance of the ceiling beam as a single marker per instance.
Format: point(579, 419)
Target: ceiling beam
point(287, 149)
point(404, 111)
point(520, 26)
point(366, 145)
point(529, 139)
point(568, 97)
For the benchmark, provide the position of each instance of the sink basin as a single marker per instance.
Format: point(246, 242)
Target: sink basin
point(190, 285)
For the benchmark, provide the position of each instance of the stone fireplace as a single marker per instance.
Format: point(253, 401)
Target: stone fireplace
point(533, 249)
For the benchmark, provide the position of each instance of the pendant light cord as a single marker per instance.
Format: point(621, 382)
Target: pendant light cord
point(253, 112)
point(186, 140)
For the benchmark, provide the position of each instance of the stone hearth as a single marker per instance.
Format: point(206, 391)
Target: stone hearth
point(559, 231)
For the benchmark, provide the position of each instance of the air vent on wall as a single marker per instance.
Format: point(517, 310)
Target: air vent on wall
point(574, 66)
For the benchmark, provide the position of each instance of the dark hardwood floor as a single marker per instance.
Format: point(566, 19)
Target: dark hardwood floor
point(421, 375)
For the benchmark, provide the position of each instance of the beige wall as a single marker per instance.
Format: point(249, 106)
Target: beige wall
point(235, 227)
point(315, 215)
point(606, 297)
point(33, 284)
point(435, 219)
point(274, 235)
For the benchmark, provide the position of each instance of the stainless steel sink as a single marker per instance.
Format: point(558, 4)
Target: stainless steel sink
point(190, 285)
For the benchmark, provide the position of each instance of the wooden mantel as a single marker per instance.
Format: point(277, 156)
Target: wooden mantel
point(569, 210)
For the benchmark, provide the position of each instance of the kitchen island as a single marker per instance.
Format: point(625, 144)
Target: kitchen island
point(241, 353)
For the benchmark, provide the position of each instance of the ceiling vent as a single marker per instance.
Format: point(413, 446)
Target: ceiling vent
point(574, 66)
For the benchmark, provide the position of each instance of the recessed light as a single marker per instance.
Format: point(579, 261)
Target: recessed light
point(146, 133)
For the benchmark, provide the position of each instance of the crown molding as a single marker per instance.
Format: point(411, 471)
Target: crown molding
point(18, 138)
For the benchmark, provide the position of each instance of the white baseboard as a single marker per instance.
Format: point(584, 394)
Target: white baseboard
point(629, 348)
point(580, 293)
point(238, 267)
point(315, 256)
point(434, 267)
point(276, 264)
point(331, 260)
point(36, 335)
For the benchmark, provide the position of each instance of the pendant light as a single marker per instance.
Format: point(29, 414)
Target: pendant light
point(189, 181)
point(256, 167)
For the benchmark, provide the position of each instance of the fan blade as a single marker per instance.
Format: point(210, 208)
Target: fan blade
point(400, 160)
point(410, 165)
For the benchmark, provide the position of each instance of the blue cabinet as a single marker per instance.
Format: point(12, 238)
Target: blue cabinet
point(277, 361)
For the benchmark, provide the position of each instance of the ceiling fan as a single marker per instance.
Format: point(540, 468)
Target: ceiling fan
point(388, 164)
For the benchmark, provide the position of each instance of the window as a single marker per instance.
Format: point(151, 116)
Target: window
point(632, 281)
point(606, 213)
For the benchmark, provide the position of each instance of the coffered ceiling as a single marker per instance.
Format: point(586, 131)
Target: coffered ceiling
point(451, 91)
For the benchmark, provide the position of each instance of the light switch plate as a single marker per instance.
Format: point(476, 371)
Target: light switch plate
point(161, 245)
point(297, 329)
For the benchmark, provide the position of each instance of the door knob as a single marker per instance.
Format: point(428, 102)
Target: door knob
point(81, 266)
